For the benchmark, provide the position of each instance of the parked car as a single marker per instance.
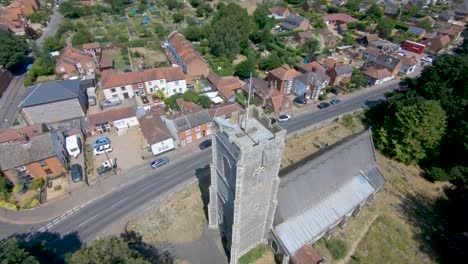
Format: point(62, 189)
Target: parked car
point(103, 169)
point(102, 149)
point(300, 100)
point(76, 172)
point(101, 142)
point(401, 53)
point(273, 121)
point(283, 118)
point(335, 101)
point(157, 163)
point(110, 102)
point(427, 59)
point(205, 144)
point(323, 105)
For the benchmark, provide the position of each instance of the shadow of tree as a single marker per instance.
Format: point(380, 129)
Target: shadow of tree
point(147, 251)
point(203, 176)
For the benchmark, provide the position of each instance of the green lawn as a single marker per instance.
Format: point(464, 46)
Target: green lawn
point(119, 62)
point(223, 69)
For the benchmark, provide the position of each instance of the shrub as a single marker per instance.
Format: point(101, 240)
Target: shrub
point(9, 206)
point(253, 255)
point(337, 248)
point(17, 188)
point(37, 183)
point(31, 203)
point(57, 187)
point(437, 174)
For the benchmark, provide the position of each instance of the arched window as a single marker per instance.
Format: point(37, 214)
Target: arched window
point(226, 168)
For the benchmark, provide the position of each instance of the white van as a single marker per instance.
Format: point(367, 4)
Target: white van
point(73, 144)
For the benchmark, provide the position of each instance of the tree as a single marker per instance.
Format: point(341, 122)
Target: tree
point(171, 102)
point(82, 36)
point(205, 101)
point(12, 49)
point(178, 17)
point(244, 69)
point(193, 33)
point(52, 44)
point(70, 9)
point(424, 24)
point(38, 17)
point(108, 250)
point(261, 17)
point(196, 3)
point(273, 61)
point(191, 96)
point(353, 5)
point(358, 79)
point(311, 46)
point(174, 4)
point(414, 131)
point(348, 39)
point(375, 12)
point(37, 183)
point(11, 251)
point(385, 27)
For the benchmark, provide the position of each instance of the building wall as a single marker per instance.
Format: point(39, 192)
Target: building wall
point(162, 146)
point(176, 87)
point(117, 92)
point(195, 134)
point(52, 167)
point(53, 112)
point(5, 79)
point(300, 88)
point(126, 122)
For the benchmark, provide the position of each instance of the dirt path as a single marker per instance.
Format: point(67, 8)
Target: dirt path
point(356, 242)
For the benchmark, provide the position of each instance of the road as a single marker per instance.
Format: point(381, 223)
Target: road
point(52, 26)
point(9, 102)
point(96, 217)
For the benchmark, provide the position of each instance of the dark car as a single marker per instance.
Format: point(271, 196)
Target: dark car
point(205, 144)
point(159, 162)
point(300, 100)
point(323, 105)
point(273, 120)
point(76, 172)
point(335, 101)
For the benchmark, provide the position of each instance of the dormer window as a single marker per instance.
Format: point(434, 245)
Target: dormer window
point(140, 85)
point(78, 65)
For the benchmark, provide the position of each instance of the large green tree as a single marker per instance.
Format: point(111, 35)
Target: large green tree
point(231, 28)
point(52, 44)
point(414, 131)
point(82, 36)
point(261, 17)
point(12, 49)
point(375, 12)
point(244, 69)
point(385, 27)
point(11, 251)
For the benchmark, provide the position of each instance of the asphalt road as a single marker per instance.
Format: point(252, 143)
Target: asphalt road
point(52, 26)
point(9, 102)
point(86, 223)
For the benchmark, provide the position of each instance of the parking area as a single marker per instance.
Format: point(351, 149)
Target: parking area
point(127, 149)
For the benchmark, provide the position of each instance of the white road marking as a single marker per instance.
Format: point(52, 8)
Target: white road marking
point(120, 202)
point(89, 219)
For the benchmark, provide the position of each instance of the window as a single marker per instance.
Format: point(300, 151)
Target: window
point(149, 83)
point(62, 69)
point(189, 139)
point(198, 135)
point(43, 163)
point(177, 83)
point(140, 85)
point(113, 90)
point(197, 128)
point(151, 90)
point(78, 65)
point(188, 132)
point(48, 171)
point(180, 89)
point(122, 88)
point(115, 96)
point(161, 81)
point(175, 90)
point(89, 64)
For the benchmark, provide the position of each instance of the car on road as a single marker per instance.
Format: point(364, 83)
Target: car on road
point(76, 172)
point(401, 53)
point(102, 149)
point(300, 100)
point(101, 142)
point(427, 59)
point(283, 118)
point(205, 144)
point(335, 101)
point(157, 163)
point(323, 105)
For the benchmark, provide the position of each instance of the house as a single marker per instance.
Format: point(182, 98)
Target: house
point(301, 37)
point(52, 102)
point(224, 111)
point(157, 136)
point(180, 52)
point(279, 12)
point(370, 53)
point(450, 30)
point(278, 102)
point(313, 66)
point(5, 79)
point(295, 22)
point(391, 63)
point(91, 48)
point(40, 156)
point(364, 41)
point(349, 179)
point(446, 15)
point(271, 97)
point(383, 45)
point(339, 73)
point(329, 39)
point(437, 44)
point(338, 19)
point(415, 31)
point(117, 119)
point(73, 62)
point(282, 79)
point(311, 85)
point(107, 63)
point(169, 80)
point(13, 134)
point(14, 16)
point(414, 47)
point(408, 64)
point(377, 76)
point(226, 86)
point(391, 9)
point(260, 88)
point(188, 128)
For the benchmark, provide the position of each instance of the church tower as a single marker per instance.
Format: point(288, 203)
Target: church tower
point(247, 152)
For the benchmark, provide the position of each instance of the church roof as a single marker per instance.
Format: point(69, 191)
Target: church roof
point(318, 191)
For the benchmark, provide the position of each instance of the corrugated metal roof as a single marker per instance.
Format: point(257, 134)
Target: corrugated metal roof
point(298, 231)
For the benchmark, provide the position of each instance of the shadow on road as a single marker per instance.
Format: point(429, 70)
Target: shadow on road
point(203, 176)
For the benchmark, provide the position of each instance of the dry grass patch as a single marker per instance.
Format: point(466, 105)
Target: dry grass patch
point(179, 219)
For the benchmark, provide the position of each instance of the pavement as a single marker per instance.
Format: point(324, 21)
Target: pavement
point(107, 205)
point(52, 26)
point(9, 102)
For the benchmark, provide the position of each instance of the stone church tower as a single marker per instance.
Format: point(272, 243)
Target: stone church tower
point(244, 180)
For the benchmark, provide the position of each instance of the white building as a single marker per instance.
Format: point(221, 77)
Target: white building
point(155, 132)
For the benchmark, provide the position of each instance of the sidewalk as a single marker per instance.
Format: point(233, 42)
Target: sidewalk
point(83, 195)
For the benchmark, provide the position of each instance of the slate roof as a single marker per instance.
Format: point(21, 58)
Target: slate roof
point(49, 92)
point(319, 190)
point(153, 128)
point(292, 22)
point(344, 69)
point(387, 61)
point(188, 121)
point(111, 115)
point(416, 31)
point(16, 153)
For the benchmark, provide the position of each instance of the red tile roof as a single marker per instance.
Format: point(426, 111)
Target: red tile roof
point(112, 79)
point(311, 67)
point(340, 17)
point(186, 52)
point(224, 110)
point(107, 61)
point(153, 128)
point(284, 74)
point(17, 133)
point(110, 115)
point(225, 85)
point(377, 73)
point(94, 45)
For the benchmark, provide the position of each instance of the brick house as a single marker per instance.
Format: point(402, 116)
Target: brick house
point(271, 97)
point(279, 12)
point(180, 52)
point(14, 16)
point(311, 85)
point(39, 156)
point(377, 76)
point(339, 73)
point(53, 102)
point(169, 80)
point(91, 48)
point(437, 44)
point(188, 128)
point(295, 22)
point(282, 79)
point(391, 63)
point(450, 30)
point(74, 62)
point(226, 86)
point(338, 19)
point(313, 66)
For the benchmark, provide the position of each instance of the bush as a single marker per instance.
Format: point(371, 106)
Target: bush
point(31, 203)
point(57, 187)
point(437, 174)
point(205, 101)
point(17, 188)
point(37, 183)
point(9, 206)
point(253, 255)
point(337, 248)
